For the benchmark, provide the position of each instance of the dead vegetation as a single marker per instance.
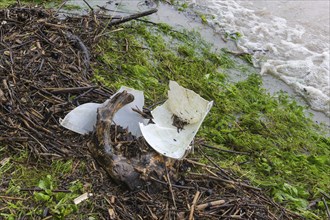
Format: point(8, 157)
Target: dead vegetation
point(45, 72)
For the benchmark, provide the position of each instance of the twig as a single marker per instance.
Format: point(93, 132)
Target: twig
point(169, 184)
point(83, 94)
point(325, 195)
point(326, 207)
point(132, 17)
point(11, 198)
point(83, 48)
point(210, 204)
point(61, 6)
point(18, 139)
point(192, 207)
point(69, 90)
point(216, 165)
point(148, 22)
point(92, 9)
point(237, 53)
point(224, 150)
point(199, 164)
point(174, 185)
point(41, 190)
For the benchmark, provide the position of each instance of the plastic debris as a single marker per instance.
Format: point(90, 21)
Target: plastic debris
point(176, 122)
point(82, 198)
point(82, 119)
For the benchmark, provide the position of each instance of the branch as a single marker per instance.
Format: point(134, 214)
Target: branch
point(132, 17)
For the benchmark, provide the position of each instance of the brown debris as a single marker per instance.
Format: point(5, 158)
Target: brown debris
point(131, 171)
point(44, 73)
point(178, 122)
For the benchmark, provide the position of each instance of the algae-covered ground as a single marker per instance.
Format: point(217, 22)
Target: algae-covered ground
point(282, 150)
point(288, 155)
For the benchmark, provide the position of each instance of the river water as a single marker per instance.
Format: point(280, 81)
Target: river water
point(289, 40)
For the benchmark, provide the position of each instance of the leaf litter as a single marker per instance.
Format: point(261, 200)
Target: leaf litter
point(45, 73)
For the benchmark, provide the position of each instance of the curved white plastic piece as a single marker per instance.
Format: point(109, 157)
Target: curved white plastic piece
point(126, 117)
point(82, 119)
point(165, 138)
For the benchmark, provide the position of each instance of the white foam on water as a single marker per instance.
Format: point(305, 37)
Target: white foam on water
point(295, 52)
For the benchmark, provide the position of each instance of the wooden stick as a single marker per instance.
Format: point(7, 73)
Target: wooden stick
point(61, 6)
point(216, 165)
point(90, 7)
point(325, 195)
point(224, 150)
point(18, 139)
point(210, 204)
point(326, 207)
point(41, 190)
point(11, 198)
point(192, 208)
point(69, 90)
point(169, 183)
point(132, 17)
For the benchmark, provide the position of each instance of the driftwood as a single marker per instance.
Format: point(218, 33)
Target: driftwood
point(132, 17)
point(134, 172)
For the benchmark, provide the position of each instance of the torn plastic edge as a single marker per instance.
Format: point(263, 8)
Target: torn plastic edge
point(82, 119)
point(166, 138)
point(162, 136)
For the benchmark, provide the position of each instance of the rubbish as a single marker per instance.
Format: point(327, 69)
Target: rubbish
point(176, 122)
point(112, 214)
point(82, 198)
point(82, 119)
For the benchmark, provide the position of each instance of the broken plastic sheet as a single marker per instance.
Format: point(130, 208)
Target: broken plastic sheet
point(163, 136)
point(82, 119)
point(166, 138)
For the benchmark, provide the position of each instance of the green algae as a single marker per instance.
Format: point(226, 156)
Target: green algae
point(288, 153)
point(22, 175)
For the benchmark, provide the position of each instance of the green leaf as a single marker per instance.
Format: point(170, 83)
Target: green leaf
point(39, 196)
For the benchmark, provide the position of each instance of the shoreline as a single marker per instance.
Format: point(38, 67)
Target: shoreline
point(188, 21)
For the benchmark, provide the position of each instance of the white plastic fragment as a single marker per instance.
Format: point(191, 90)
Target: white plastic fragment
point(82, 119)
point(166, 138)
point(82, 198)
point(163, 136)
point(126, 117)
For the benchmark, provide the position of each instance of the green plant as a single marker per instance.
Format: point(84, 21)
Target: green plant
point(203, 18)
point(17, 177)
point(60, 204)
point(233, 36)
